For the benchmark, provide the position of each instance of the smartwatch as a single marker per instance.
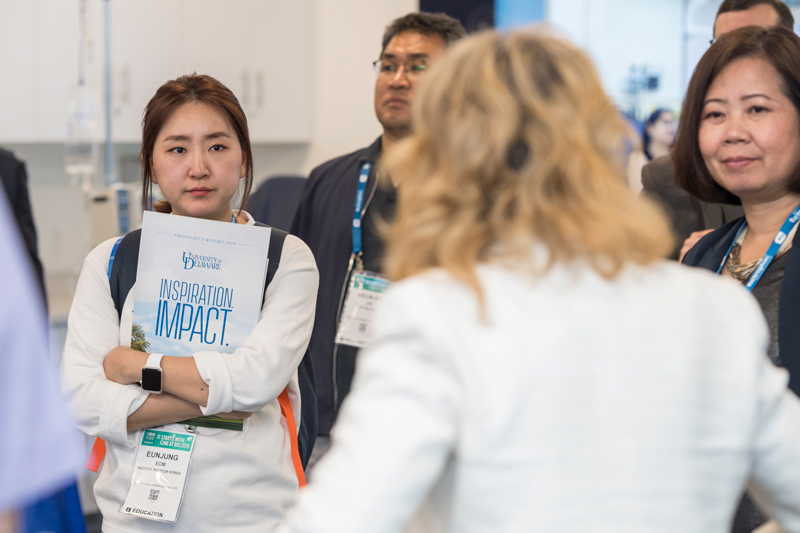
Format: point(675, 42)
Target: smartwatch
point(151, 374)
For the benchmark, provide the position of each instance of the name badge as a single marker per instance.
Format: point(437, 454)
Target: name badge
point(159, 475)
point(363, 294)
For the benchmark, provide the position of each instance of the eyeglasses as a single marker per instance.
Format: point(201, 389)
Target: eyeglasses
point(413, 67)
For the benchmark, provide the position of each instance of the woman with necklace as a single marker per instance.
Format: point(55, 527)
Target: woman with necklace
point(739, 143)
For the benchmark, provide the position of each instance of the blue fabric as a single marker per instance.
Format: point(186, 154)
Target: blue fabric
point(40, 450)
point(59, 513)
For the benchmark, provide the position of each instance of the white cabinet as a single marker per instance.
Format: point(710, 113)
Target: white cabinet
point(278, 99)
point(39, 67)
point(56, 66)
point(146, 41)
point(17, 71)
point(260, 49)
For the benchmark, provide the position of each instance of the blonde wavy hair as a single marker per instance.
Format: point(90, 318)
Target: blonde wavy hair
point(516, 143)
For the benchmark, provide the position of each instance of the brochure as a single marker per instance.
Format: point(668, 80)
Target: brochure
point(199, 287)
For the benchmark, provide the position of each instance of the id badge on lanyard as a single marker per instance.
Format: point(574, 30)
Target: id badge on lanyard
point(162, 465)
point(363, 294)
point(365, 288)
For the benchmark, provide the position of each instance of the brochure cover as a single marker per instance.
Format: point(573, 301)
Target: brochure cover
point(199, 287)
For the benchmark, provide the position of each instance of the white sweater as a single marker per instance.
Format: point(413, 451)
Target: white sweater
point(239, 481)
point(643, 404)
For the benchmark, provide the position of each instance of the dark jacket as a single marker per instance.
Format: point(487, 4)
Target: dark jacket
point(686, 213)
point(709, 253)
point(15, 182)
point(324, 221)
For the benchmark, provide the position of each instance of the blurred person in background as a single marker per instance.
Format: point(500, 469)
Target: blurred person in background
point(657, 136)
point(39, 452)
point(343, 244)
point(693, 218)
point(739, 143)
point(536, 366)
point(14, 178)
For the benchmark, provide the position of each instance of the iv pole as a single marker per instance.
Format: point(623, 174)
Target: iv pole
point(110, 177)
point(120, 192)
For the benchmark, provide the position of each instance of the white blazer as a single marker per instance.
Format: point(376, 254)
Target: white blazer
point(642, 404)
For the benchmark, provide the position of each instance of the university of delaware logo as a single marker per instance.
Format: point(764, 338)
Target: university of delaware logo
point(191, 261)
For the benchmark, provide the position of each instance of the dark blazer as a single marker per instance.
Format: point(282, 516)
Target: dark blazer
point(686, 213)
point(324, 221)
point(15, 182)
point(709, 252)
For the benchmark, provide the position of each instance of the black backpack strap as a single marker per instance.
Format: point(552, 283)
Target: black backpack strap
point(123, 269)
point(276, 240)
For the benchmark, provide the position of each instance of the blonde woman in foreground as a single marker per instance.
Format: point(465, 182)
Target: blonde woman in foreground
point(537, 366)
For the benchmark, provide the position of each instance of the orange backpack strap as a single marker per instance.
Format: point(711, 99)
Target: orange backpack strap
point(96, 457)
point(288, 414)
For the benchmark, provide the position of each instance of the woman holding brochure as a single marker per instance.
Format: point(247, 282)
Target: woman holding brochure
point(196, 149)
point(537, 365)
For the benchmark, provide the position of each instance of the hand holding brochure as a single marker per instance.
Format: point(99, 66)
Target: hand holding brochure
point(199, 287)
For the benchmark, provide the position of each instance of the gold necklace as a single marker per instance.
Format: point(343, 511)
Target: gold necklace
point(743, 272)
point(740, 272)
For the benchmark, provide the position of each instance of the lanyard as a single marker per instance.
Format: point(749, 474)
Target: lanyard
point(362, 188)
point(233, 218)
point(772, 251)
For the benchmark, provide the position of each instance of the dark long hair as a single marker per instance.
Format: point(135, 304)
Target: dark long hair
point(654, 116)
point(168, 98)
point(780, 48)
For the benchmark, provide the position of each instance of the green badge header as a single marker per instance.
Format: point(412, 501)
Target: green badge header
point(166, 439)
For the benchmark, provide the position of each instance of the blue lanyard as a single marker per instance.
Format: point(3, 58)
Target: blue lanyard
point(233, 218)
point(771, 252)
point(362, 188)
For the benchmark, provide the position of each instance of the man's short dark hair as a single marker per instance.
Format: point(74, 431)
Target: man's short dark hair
point(445, 26)
point(785, 17)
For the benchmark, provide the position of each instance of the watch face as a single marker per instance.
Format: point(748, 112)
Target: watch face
point(151, 379)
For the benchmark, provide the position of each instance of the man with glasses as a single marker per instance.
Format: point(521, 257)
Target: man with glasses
point(691, 218)
point(342, 205)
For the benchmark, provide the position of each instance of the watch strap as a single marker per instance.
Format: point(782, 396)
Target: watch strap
point(154, 361)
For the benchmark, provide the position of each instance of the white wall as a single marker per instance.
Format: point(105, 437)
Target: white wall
point(347, 39)
point(621, 33)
